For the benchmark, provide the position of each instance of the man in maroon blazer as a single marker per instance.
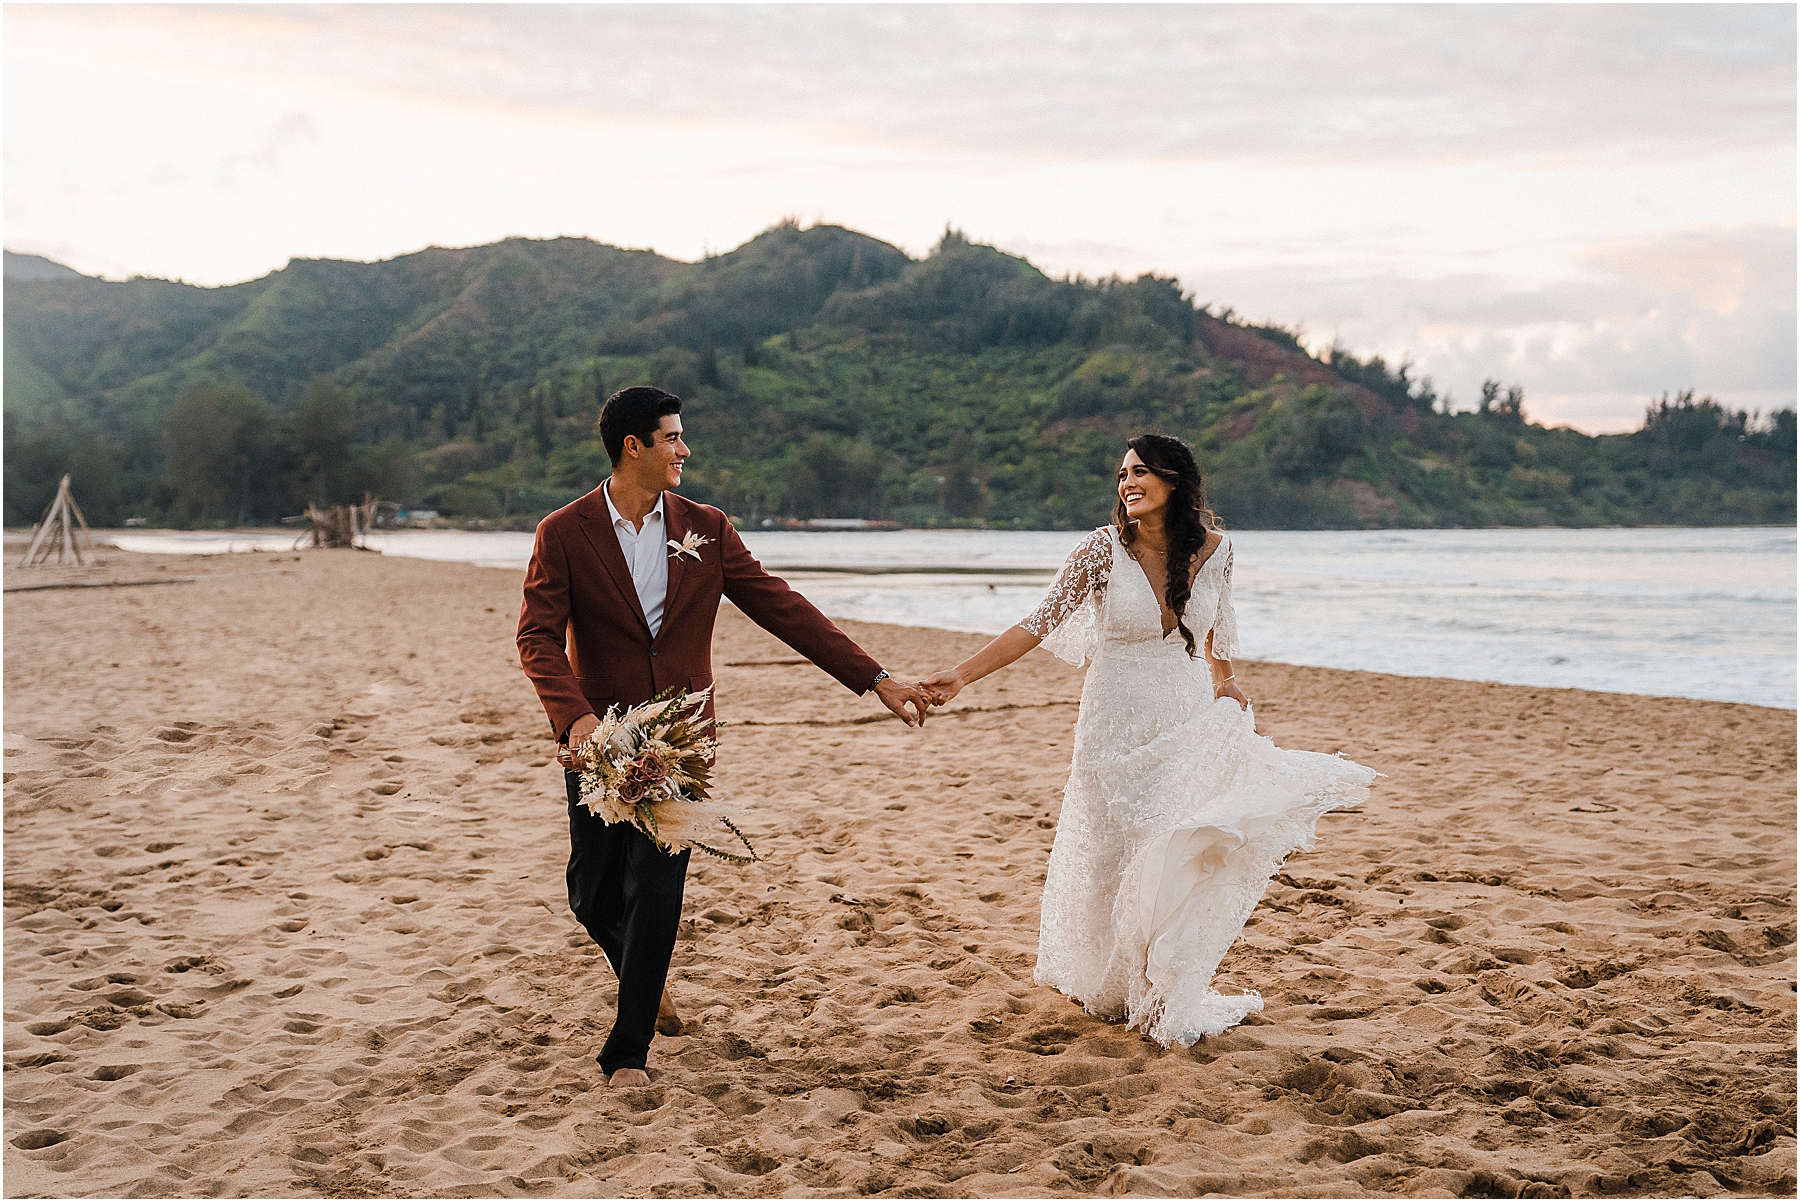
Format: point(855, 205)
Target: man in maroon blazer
point(613, 614)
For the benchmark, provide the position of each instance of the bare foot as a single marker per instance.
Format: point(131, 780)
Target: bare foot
point(626, 1077)
point(667, 1021)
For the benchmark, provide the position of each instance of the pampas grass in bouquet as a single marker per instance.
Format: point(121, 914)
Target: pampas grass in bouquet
point(651, 766)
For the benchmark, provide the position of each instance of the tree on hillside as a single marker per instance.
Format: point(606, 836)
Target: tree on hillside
point(542, 436)
point(96, 463)
point(1685, 426)
point(1510, 405)
point(1321, 429)
point(321, 433)
point(962, 491)
point(221, 452)
point(1774, 435)
point(1395, 385)
point(832, 476)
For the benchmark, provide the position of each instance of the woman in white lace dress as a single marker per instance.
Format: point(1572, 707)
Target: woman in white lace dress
point(1177, 812)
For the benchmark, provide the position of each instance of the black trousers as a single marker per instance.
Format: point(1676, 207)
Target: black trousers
point(627, 893)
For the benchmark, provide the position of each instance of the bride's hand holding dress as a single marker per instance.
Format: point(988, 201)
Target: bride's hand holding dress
point(1230, 689)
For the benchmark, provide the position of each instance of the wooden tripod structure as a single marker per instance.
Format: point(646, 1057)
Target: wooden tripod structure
point(56, 529)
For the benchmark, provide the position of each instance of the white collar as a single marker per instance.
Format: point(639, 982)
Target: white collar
point(656, 511)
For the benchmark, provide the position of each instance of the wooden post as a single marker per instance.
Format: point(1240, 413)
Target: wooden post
point(57, 528)
point(37, 538)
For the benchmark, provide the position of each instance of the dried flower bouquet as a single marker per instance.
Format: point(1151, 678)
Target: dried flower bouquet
point(651, 766)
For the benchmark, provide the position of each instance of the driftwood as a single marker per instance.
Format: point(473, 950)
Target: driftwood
point(57, 529)
point(38, 588)
point(341, 525)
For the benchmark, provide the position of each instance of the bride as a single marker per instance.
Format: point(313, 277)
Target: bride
point(1177, 812)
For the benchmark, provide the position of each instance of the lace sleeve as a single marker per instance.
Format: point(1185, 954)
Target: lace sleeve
point(1224, 627)
point(1068, 618)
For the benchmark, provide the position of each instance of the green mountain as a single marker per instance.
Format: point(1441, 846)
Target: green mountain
point(36, 267)
point(826, 374)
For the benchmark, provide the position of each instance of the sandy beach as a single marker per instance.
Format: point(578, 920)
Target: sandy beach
point(285, 915)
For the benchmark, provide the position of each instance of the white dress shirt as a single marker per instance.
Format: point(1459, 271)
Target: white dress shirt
point(647, 554)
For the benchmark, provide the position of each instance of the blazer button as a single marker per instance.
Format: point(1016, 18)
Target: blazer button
point(653, 651)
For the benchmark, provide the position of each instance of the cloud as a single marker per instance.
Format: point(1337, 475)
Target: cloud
point(1326, 83)
point(1708, 308)
point(1456, 182)
point(288, 133)
point(1719, 270)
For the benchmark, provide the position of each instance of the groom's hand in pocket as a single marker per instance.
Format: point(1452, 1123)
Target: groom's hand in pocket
point(897, 695)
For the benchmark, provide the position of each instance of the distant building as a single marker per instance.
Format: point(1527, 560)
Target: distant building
point(830, 524)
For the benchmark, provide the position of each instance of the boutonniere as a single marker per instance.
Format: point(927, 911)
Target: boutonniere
point(689, 545)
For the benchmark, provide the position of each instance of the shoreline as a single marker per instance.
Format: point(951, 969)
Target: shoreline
point(284, 916)
point(924, 578)
point(446, 525)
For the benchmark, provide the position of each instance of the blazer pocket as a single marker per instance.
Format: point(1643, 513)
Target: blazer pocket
point(595, 688)
point(696, 683)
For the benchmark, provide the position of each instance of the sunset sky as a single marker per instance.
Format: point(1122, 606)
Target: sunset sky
point(1596, 202)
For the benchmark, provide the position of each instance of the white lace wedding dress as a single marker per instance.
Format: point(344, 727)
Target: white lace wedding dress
point(1177, 812)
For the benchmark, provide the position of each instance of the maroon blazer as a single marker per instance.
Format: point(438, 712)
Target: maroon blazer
point(583, 638)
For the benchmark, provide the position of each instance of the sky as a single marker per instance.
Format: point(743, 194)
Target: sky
point(1593, 201)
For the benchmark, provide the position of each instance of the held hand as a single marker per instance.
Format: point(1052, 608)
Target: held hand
point(897, 696)
point(578, 733)
point(1230, 689)
point(942, 687)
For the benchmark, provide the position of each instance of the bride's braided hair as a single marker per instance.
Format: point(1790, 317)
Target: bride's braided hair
point(1186, 522)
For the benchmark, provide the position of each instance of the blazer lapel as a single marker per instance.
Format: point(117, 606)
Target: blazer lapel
point(605, 541)
point(675, 525)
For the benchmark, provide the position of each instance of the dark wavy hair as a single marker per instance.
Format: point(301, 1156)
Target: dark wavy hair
point(638, 412)
point(1187, 520)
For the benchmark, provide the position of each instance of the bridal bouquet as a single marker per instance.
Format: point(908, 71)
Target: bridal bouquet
point(650, 766)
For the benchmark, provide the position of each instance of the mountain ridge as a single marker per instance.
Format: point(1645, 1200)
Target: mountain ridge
point(826, 371)
point(21, 266)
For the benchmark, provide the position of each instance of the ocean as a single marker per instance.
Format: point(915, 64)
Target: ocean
point(1670, 612)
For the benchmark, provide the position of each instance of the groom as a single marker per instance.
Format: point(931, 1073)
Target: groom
point(615, 611)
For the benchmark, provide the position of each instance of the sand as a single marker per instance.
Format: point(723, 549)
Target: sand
point(285, 915)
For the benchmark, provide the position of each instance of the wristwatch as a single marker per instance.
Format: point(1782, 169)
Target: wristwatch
point(879, 677)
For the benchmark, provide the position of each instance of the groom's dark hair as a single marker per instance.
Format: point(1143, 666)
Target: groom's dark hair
point(637, 411)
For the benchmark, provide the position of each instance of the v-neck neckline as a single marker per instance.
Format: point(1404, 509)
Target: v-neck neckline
point(1144, 574)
